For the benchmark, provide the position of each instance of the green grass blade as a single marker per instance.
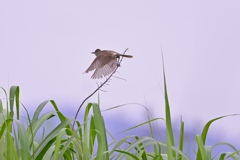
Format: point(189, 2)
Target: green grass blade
point(11, 150)
point(102, 138)
point(128, 154)
point(234, 155)
point(181, 139)
point(23, 139)
point(72, 143)
point(92, 135)
point(202, 151)
point(5, 93)
point(1, 106)
point(49, 140)
point(38, 124)
point(205, 132)
point(222, 157)
point(5, 127)
point(139, 125)
point(14, 95)
point(60, 115)
point(86, 154)
point(38, 111)
point(58, 144)
point(40, 108)
point(169, 130)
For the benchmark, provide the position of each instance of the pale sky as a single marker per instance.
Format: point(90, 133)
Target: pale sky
point(45, 47)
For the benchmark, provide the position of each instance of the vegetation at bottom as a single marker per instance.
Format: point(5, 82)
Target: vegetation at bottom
point(19, 138)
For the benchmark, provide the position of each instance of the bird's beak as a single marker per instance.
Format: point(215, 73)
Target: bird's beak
point(93, 52)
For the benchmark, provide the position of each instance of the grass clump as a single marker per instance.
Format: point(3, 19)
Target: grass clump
point(88, 140)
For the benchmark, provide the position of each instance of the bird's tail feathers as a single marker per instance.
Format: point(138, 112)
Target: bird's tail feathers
point(127, 56)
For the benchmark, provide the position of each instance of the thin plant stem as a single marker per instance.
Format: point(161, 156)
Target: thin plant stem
point(98, 88)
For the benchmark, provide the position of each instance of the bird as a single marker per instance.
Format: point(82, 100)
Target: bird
point(105, 63)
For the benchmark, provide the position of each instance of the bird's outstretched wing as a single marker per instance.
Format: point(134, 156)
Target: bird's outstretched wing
point(99, 62)
point(105, 70)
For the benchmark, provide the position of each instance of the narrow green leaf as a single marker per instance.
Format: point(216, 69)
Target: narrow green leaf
point(102, 138)
point(7, 125)
point(86, 138)
point(39, 122)
point(1, 106)
point(202, 151)
point(205, 132)
point(222, 157)
point(11, 150)
point(169, 130)
point(50, 138)
point(14, 95)
point(181, 139)
point(38, 111)
point(147, 122)
point(128, 154)
point(58, 144)
point(23, 138)
point(92, 135)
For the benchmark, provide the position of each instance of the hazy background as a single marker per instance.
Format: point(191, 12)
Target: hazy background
point(45, 47)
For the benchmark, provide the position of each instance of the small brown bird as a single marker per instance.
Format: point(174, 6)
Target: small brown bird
point(105, 63)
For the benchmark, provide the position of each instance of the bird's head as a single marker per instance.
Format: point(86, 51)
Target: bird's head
point(96, 52)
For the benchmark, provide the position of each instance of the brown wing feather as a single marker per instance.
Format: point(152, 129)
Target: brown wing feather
point(99, 62)
point(105, 70)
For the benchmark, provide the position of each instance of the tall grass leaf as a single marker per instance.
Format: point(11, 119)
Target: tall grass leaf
point(49, 140)
point(11, 150)
point(170, 137)
point(205, 132)
point(5, 93)
point(58, 144)
point(226, 144)
point(234, 155)
point(128, 154)
point(141, 151)
point(40, 108)
point(66, 149)
point(208, 150)
point(38, 111)
point(72, 145)
point(60, 115)
point(222, 157)
point(132, 146)
point(181, 139)
point(1, 106)
point(38, 124)
point(14, 95)
point(164, 156)
point(86, 138)
point(146, 141)
point(30, 129)
point(119, 143)
point(80, 130)
point(152, 134)
point(158, 157)
point(139, 125)
point(23, 139)
point(102, 138)
point(92, 135)
point(42, 105)
point(202, 150)
point(5, 127)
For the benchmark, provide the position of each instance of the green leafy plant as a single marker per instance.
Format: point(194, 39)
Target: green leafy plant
point(89, 140)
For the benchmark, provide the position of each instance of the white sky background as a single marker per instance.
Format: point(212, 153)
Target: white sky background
point(45, 47)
